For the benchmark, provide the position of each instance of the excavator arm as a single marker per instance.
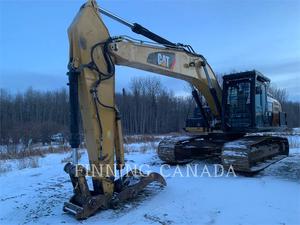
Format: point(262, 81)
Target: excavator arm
point(92, 90)
point(93, 56)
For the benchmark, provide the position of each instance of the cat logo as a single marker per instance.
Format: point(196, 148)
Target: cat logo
point(163, 59)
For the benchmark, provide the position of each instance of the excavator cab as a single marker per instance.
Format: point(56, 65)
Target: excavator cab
point(247, 105)
point(248, 108)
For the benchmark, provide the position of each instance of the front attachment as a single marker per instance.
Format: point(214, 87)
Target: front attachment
point(131, 184)
point(84, 203)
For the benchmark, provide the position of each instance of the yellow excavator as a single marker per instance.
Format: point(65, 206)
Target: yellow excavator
point(242, 106)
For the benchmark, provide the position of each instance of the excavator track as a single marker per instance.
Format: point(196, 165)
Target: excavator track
point(246, 154)
point(252, 154)
point(184, 149)
point(168, 146)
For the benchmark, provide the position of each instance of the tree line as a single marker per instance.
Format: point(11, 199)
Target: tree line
point(146, 107)
point(32, 115)
point(292, 109)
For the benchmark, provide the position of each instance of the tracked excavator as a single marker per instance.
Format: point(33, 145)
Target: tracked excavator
point(242, 106)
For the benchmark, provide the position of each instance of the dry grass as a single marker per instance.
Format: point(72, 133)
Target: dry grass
point(30, 162)
point(294, 143)
point(14, 153)
point(143, 148)
point(140, 138)
point(5, 168)
point(26, 157)
point(69, 158)
point(146, 143)
point(20, 154)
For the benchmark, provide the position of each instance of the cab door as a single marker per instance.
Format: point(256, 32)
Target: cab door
point(260, 104)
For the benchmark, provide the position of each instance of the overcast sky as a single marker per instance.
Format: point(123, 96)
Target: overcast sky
point(232, 35)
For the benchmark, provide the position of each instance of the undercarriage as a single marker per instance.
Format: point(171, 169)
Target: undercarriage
point(245, 153)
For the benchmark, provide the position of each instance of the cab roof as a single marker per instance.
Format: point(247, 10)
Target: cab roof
point(247, 74)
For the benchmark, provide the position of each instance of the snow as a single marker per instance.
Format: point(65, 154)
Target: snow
point(235, 145)
point(234, 153)
point(36, 195)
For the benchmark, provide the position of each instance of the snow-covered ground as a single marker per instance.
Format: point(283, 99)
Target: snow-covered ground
point(36, 195)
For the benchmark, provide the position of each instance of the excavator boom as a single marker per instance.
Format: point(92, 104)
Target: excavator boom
point(172, 62)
